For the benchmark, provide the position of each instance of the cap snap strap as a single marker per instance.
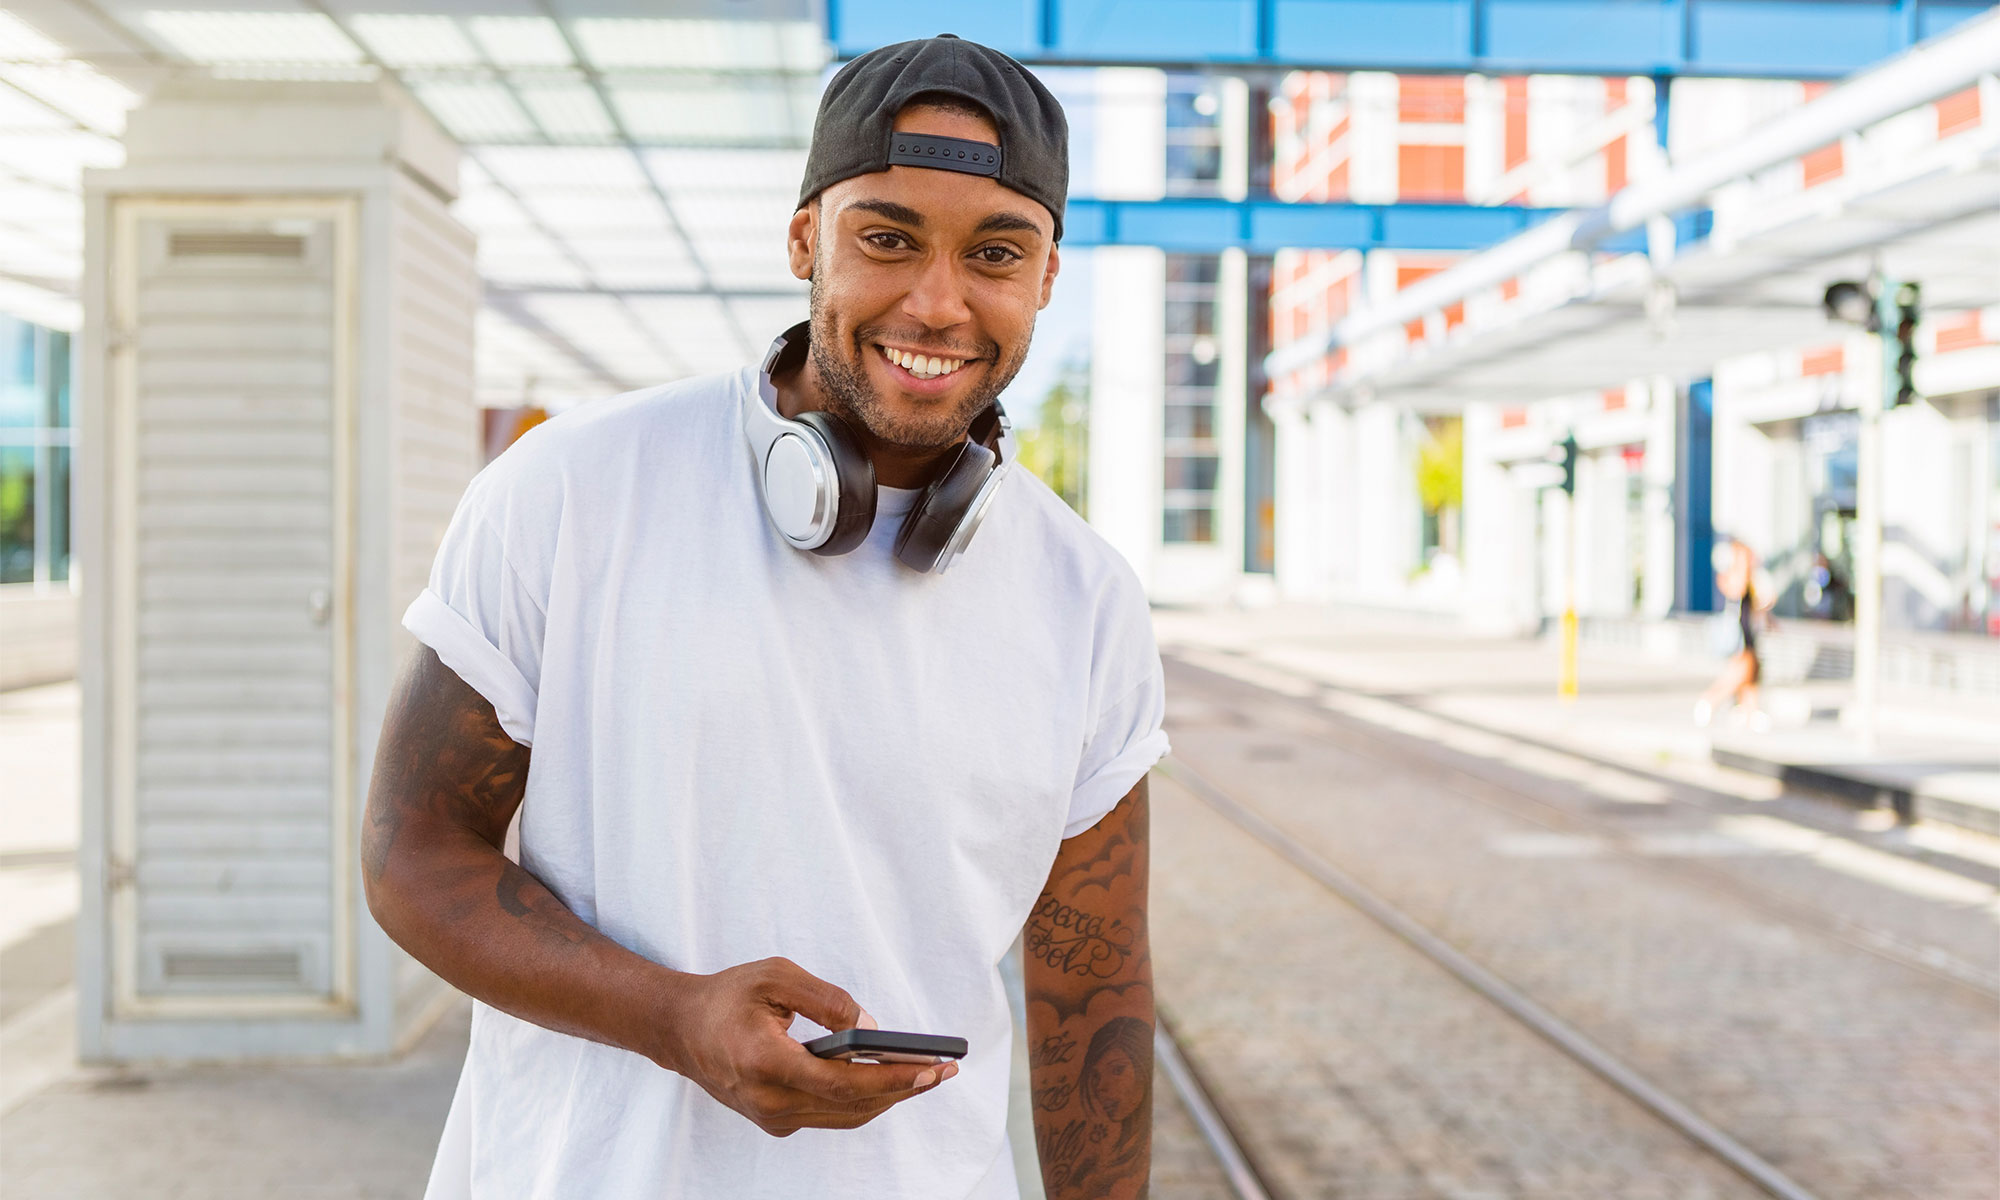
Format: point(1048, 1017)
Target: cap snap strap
point(944, 153)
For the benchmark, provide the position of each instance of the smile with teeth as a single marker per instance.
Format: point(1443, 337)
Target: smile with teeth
point(922, 366)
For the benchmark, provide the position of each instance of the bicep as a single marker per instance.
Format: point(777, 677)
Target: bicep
point(443, 761)
point(1089, 923)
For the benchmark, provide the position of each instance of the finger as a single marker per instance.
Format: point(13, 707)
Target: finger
point(828, 1114)
point(849, 1083)
point(813, 998)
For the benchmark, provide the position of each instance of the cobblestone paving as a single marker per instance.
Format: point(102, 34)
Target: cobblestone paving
point(1373, 1074)
point(1184, 1168)
point(1354, 1067)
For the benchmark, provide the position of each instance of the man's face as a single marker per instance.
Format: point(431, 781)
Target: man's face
point(912, 262)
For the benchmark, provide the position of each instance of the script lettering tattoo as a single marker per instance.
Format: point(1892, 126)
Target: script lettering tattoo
point(1076, 942)
point(1090, 1012)
point(1052, 1051)
point(1055, 1097)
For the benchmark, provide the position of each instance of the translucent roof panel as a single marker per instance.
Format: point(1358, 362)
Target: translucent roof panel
point(628, 172)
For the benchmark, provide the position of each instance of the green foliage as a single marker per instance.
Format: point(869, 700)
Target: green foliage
point(1441, 465)
point(1057, 447)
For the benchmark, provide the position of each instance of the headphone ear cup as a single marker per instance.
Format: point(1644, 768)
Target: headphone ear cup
point(928, 530)
point(854, 513)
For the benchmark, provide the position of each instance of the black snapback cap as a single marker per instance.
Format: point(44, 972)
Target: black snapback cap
point(854, 133)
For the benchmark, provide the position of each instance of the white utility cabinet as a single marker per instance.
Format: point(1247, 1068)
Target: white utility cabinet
point(277, 417)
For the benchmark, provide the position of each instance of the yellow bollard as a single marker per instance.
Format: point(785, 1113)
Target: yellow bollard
point(1566, 685)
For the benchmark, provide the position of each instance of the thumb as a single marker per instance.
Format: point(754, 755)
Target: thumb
point(811, 997)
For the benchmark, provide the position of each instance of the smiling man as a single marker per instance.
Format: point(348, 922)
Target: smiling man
point(789, 745)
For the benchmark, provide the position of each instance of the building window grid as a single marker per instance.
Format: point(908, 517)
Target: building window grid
point(1191, 459)
point(1193, 137)
point(36, 454)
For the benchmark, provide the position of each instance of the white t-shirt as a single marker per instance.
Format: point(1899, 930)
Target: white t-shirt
point(743, 750)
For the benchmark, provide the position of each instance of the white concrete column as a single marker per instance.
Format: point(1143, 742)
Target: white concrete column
point(1496, 559)
point(1386, 540)
point(1127, 383)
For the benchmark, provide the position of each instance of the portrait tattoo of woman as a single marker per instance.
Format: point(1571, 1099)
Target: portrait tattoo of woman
point(1115, 1082)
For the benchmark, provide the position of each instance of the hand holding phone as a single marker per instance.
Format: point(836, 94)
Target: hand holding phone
point(734, 1040)
point(887, 1046)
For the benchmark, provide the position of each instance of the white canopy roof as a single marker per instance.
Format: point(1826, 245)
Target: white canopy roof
point(1915, 204)
point(627, 173)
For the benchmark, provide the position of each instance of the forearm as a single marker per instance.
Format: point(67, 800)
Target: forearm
point(1088, 976)
point(448, 781)
point(491, 929)
point(1086, 1151)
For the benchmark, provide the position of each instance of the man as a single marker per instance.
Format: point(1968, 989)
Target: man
point(770, 786)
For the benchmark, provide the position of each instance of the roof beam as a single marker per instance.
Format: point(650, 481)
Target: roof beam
point(1772, 39)
point(1197, 226)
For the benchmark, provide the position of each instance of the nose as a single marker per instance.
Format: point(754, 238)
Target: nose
point(937, 300)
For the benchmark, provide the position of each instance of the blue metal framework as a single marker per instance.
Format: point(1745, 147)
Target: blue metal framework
point(1779, 39)
point(1198, 226)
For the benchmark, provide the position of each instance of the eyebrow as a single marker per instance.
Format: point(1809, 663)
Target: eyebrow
point(1007, 222)
point(903, 214)
point(900, 213)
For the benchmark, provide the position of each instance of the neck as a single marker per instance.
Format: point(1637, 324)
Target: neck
point(896, 466)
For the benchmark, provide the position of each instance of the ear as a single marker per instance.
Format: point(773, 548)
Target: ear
point(800, 237)
point(1049, 274)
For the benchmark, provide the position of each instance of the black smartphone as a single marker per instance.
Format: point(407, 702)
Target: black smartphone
point(887, 1046)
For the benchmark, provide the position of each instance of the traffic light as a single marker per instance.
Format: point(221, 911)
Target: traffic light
point(1909, 305)
point(1569, 464)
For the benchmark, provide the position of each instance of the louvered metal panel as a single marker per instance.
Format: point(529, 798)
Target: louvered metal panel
point(231, 851)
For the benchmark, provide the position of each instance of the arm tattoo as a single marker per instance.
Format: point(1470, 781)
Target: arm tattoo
point(445, 763)
point(443, 755)
point(1090, 1012)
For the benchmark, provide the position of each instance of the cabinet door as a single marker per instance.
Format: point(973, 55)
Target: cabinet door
point(230, 350)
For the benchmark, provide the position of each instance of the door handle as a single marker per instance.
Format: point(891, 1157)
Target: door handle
point(319, 602)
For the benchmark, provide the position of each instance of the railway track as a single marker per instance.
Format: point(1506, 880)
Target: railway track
point(1251, 1180)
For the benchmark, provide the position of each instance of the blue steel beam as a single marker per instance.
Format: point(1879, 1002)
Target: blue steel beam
point(1267, 226)
point(1778, 39)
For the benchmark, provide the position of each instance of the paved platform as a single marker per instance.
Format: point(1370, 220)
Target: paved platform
point(1950, 781)
point(1941, 749)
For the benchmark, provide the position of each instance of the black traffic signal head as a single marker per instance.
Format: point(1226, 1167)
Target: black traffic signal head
point(1569, 464)
point(1852, 302)
point(1909, 309)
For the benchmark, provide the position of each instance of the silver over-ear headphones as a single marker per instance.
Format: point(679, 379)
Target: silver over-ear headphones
point(819, 487)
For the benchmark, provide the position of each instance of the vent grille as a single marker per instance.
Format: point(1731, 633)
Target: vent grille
point(258, 966)
point(231, 243)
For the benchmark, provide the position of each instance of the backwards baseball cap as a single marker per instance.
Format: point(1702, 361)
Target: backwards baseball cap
point(854, 133)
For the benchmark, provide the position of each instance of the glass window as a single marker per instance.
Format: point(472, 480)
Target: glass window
point(1188, 525)
point(59, 514)
point(57, 386)
point(1193, 268)
point(17, 514)
point(1189, 421)
point(1190, 473)
point(20, 398)
point(1185, 373)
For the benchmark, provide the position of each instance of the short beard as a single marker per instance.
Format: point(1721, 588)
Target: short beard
point(852, 396)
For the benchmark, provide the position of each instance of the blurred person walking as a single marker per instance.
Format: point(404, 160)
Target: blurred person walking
point(1745, 608)
point(783, 764)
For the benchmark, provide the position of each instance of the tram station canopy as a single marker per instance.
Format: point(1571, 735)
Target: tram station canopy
point(1742, 250)
point(627, 173)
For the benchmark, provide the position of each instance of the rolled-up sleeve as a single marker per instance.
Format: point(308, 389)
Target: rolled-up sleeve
point(483, 620)
point(1127, 742)
point(1122, 735)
